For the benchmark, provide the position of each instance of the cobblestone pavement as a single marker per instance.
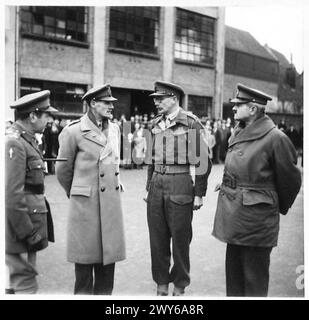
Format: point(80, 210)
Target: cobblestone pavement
point(133, 276)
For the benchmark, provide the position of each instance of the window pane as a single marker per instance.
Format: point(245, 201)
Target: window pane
point(50, 31)
point(38, 29)
point(60, 24)
point(49, 21)
point(26, 16)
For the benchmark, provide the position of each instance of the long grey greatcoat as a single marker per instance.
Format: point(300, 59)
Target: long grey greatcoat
point(262, 161)
point(90, 178)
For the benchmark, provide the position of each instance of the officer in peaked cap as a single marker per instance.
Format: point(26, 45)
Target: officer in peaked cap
point(90, 178)
point(245, 94)
point(167, 89)
point(261, 180)
point(172, 197)
point(103, 93)
point(33, 102)
point(28, 220)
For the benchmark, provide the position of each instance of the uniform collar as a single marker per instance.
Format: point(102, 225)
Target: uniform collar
point(27, 135)
point(173, 115)
point(24, 131)
point(179, 117)
point(254, 131)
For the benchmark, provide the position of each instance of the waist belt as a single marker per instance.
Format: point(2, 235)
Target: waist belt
point(34, 188)
point(230, 181)
point(171, 169)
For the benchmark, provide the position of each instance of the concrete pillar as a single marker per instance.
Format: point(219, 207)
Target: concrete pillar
point(11, 59)
point(168, 31)
point(219, 67)
point(99, 45)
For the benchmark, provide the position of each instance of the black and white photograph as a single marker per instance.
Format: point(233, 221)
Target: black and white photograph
point(153, 150)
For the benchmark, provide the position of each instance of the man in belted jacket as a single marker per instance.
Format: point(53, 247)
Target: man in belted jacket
point(261, 180)
point(178, 143)
point(27, 220)
point(90, 178)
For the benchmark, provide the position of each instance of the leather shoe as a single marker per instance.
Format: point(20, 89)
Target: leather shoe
point(178, 291)
point(162, 290)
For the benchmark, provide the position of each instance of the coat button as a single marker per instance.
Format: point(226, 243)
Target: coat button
point(102, 175)
point(34, 210)
point(102, 189)
point(117, 188)
point(240, 153)
point(116, 173)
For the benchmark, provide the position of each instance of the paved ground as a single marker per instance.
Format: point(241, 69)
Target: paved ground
point(133, 276)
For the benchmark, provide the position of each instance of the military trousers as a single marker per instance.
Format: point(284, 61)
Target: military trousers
point(22, 272)
point(169, 215)
point(94, 278)
point(247, 270)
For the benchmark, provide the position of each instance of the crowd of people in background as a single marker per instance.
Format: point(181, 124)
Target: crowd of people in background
point(218, 132)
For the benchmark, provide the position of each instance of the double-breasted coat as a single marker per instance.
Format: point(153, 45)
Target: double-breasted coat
point(90, 177)
point(261, 180)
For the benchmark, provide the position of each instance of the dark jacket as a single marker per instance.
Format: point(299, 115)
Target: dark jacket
point(177, 137)
point(26, 211)
point(261, 180)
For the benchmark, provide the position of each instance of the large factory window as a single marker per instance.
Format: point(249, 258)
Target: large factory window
point(134, 29)
point(195, 35)
point(63, 23)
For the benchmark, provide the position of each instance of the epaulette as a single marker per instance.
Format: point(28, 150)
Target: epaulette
point(12, 133)
point(73, 122)
point(191, 115)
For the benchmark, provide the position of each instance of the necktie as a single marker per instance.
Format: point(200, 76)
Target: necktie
point(101, 126)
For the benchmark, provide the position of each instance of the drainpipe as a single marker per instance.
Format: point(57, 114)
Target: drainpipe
point(17, 25)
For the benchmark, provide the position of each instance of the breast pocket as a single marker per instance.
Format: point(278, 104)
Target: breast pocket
point(35, 172)
point(180, 140)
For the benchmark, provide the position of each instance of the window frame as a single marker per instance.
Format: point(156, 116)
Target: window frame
point(192, 62)
point(44, 25)
point(210, 106)
point(134, 52)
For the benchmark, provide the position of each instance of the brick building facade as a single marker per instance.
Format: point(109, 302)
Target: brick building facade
point(70, 49)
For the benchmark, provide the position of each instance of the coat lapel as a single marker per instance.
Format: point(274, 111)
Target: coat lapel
point(256, 130)
point(91, 132)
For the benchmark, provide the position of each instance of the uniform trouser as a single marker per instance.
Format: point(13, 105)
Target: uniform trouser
point(94, 279)
point(22, 272)
point(247, 270)
point(169, 214)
